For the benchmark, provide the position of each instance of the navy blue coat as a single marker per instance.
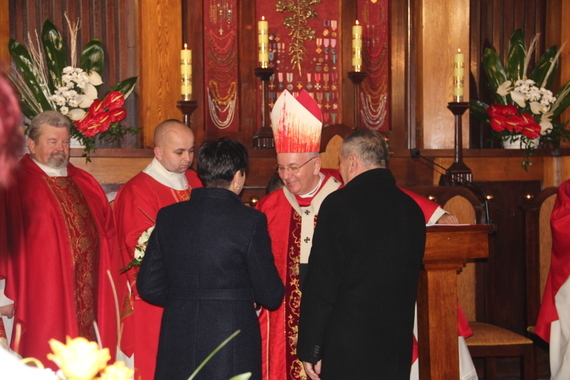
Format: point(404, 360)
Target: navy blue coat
point(208, 260)
point(357, 309)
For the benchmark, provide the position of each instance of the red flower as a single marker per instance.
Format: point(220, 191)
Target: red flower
point(532, 131)
point(114, 100)
point(499, 110)
point(498, 123)
point(92, 125)
point(96, 107)
point(117, 115)
point(514, 124)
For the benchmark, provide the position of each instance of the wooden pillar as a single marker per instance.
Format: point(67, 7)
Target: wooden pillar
point(441, 27)
point(4, 32)
point(160, 41)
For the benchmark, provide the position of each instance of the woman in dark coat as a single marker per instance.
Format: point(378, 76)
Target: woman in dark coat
point(208, 261)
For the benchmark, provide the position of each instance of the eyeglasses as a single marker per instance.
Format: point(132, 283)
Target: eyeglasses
point(293, 169)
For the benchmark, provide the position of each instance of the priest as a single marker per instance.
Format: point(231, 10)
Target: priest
point(166, 180)
point(61, 245)
point(291, 215)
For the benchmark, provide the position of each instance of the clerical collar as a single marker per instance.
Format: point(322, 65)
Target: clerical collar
point(176, 181)
point(51, 172)
point(316, 189)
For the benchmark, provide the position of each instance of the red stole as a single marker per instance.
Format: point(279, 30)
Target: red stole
point(279, 328)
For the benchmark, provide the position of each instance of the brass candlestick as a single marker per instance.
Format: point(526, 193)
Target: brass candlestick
point(356, 77)
point(187, 107)
point(458, 173)
point(263, 137)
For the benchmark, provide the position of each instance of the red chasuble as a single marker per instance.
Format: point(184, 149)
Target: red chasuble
point(136, 207)
point(554, 300)
point(61, 244)
point(279, 328)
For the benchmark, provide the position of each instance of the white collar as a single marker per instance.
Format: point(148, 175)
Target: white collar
point(51, 172)
point(316, 189)
point(177, 181)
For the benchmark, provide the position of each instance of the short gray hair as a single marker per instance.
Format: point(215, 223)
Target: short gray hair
point(52, 118)
point(369, 146)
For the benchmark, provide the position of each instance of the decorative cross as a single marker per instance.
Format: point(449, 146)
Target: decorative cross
point(307, 240)
point(307, 212)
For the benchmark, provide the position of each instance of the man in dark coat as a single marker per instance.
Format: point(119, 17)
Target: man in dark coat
point(357, 309)
point(208, 261)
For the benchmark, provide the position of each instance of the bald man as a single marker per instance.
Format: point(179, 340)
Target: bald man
point(166, 180)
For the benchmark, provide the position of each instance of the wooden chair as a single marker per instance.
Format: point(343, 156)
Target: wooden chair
point(488, 341)
point(538, 238)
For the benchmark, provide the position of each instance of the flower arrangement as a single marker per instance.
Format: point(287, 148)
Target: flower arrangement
point(80, 359)
point(140, 249)
point(46, 81)
point(524, 107)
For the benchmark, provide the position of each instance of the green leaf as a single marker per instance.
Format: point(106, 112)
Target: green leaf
point(495, 73)
point(92, 57)
point(54, 50)
point(516, 56)
point(125, 86)
point(543, 66)
point(243, 376)
point(212, 354)
point(38, 88)
point(562, 101)
point(479, 110)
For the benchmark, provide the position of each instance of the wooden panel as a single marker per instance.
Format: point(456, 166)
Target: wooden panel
point(112, 170)
point(4, 32)
point(160, 41)
point(438, 41)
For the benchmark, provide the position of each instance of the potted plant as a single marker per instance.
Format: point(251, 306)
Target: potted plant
point(524, 109)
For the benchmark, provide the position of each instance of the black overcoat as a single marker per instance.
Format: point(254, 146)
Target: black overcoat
point(357, 309)
point(208, 260)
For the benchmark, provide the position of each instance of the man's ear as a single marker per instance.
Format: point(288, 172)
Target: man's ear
point(353, 163)
point(31, 146)
point(318, 165)
point(158, 153)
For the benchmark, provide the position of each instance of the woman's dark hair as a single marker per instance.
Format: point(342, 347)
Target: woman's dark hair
point(219, 160)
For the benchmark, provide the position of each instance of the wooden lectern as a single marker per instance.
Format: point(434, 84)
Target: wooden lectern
point(447, 250)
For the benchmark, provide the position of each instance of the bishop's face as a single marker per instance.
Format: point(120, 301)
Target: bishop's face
point(299, 171)
point(52, 147)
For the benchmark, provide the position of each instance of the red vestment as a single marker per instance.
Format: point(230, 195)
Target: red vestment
point(60, 244)
point(279, 328)
point(136, 206)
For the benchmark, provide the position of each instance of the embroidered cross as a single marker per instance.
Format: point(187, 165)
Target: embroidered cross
point(307, 212)
point(307, 240)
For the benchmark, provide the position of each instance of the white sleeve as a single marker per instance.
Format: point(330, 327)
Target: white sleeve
point(436, 215)
point(3, 299)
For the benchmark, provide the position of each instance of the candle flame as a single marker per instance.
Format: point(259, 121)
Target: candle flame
point(357, 23)
point(185, 46)
point(459, 50)
point(262, 18)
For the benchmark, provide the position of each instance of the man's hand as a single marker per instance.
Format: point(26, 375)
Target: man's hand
point(313, 370)
point(7, 310)
point(447, 219)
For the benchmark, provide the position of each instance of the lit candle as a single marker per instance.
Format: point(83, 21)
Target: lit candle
point(263, 41)
point(186, 73)
point(458, 75)
point(357, 46)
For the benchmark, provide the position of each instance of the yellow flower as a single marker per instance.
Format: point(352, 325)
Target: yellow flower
point(79, 359)
point(117, 371)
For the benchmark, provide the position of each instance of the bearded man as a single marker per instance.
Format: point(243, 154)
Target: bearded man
point(61, 243)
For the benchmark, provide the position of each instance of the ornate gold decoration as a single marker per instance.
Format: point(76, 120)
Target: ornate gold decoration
point(300, 32)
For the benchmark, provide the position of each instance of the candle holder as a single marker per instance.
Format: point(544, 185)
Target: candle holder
point(458, 173)
point(263, 137)
point(187, 107)
point(356, 77)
